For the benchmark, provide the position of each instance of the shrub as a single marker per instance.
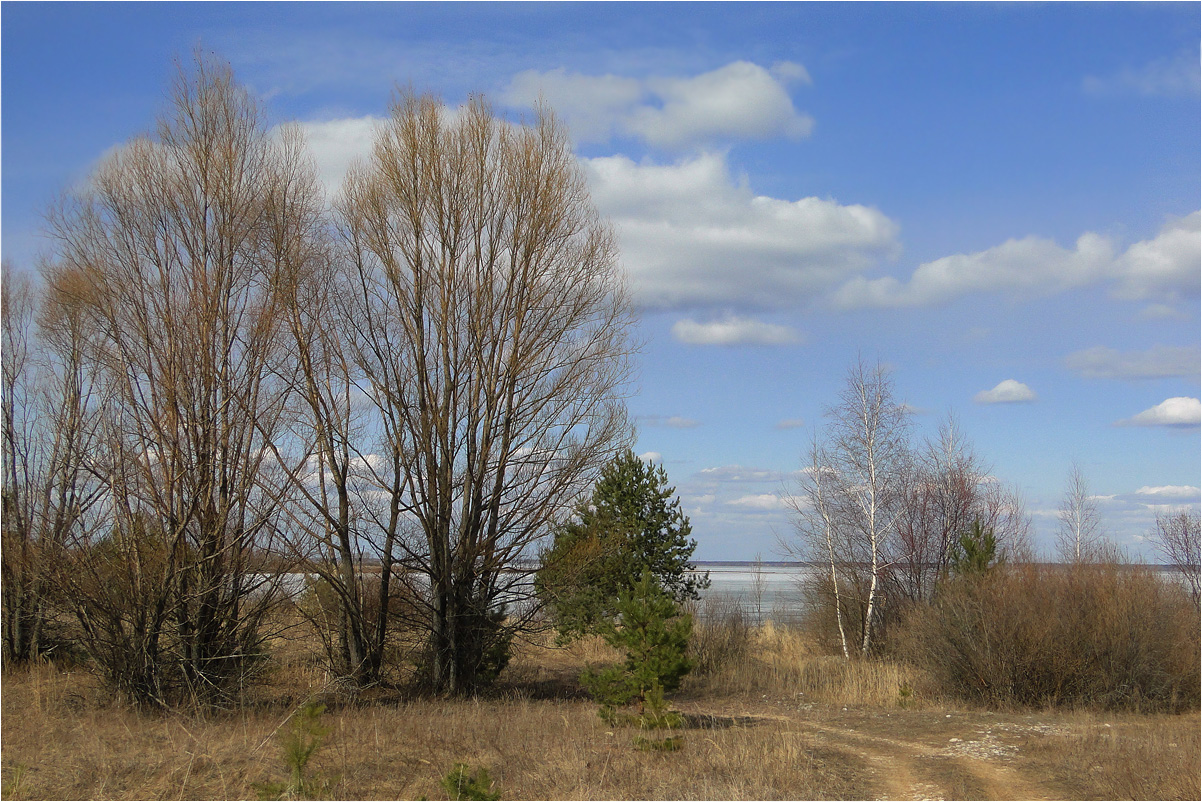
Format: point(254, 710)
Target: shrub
point(721, 635)
point(1085, 635)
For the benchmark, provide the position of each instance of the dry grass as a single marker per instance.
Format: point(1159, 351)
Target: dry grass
point(781, 660)
point(773, 720)
point(1122, 757)
point(58, 747)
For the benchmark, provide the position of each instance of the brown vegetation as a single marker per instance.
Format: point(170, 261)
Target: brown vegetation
point(773, 719)
point(1096, 635)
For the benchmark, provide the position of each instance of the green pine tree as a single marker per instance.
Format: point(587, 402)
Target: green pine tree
point(632, 523)
point(654, 634)
point(975, 552)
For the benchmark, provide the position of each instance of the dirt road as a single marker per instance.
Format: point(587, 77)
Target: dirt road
point(940, 755)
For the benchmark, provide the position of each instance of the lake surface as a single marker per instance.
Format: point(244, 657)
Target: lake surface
point(768, 592)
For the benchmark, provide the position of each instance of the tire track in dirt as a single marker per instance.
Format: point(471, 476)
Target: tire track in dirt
point(911, 769)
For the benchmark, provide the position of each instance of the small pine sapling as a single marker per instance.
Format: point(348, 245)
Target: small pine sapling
point(460, 785)
point(300, 742)
point(975, 552)
point(655, 637)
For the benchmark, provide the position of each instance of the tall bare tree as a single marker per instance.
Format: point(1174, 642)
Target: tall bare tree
point(169, 248)
point(492, 327)
point(328, 474)
point(1079, 535)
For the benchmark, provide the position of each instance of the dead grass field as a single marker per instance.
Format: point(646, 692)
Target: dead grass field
point(775, 722)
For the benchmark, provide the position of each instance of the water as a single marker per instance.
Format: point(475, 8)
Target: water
point(771, 592)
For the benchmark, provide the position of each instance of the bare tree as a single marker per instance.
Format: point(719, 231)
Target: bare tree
point(815, 524)
point(491, 325)
point(948, 490)
point(328, 473)
point(169, 251)
point(1079, 535)
point(48, 433)
point(1178, 538)
point(857, 488)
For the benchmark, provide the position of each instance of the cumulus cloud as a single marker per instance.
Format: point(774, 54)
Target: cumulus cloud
point(336, 144)
point(1169, 493)
point(761, 501)
point(1173, 412)
point(1007, 392)
point(1158, 362)
point(691, 235)
point(593, 106)
point(1178, 76)
point(733, 330)
point(1164, 269)
point(652, 456)
point(1019, 266)
point(739, 101)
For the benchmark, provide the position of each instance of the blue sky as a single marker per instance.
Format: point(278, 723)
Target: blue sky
point(1001, 202)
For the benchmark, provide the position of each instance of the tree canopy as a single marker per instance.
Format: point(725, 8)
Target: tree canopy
point(632, 523)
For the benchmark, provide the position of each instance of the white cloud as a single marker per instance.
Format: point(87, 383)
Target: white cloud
point(790, 423)
point(1164, 269)
point(593, 106)
point(652, 456)
point(1171, 492)
point(761, 501)
point(1165, 77)
point(739, 101)
point(1159, 361)
point(336, 144)
point(1007, 392)
point(1026, 266)
point(669, 421)
point(693, 236)
point(738, 473)
point(733, 330)
point(1175, 412)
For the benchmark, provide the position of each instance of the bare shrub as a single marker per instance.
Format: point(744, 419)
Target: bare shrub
point(721, 634)
point(1177, 539)
point(1101, 635)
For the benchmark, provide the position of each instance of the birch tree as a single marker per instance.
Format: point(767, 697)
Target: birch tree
point(490, 325)
point(816, 525)
point(1079, 533)
point(856, 485)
